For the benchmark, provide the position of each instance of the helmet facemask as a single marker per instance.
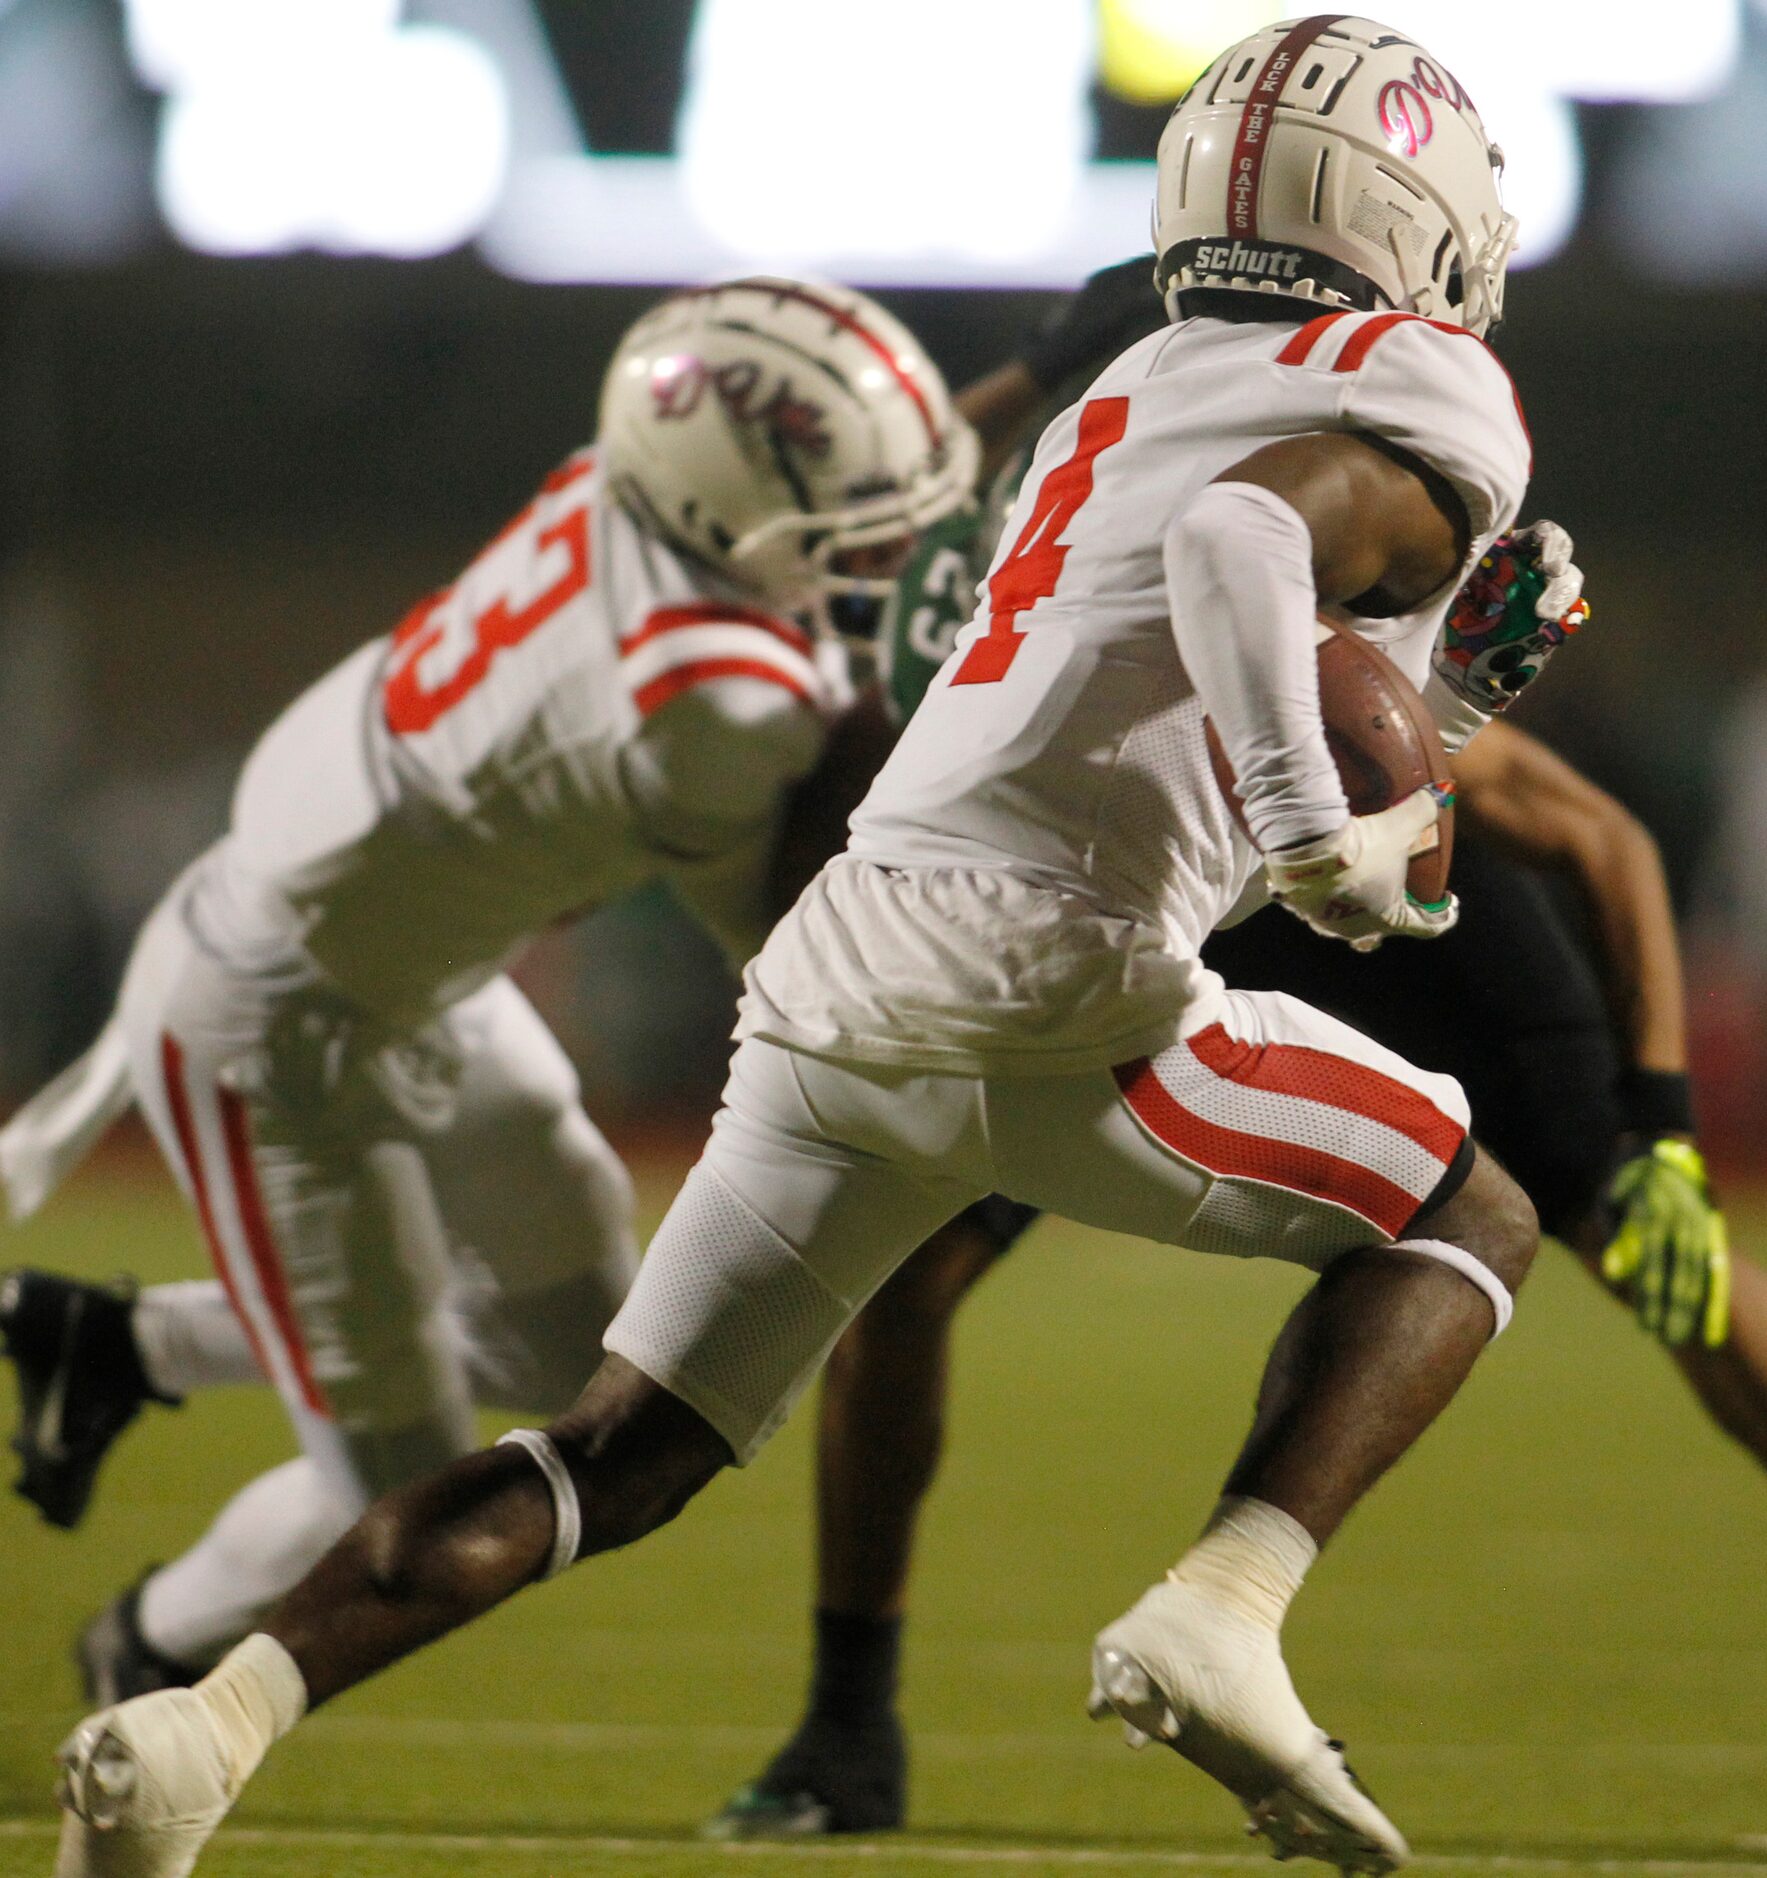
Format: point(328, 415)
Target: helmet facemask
point(768, 429)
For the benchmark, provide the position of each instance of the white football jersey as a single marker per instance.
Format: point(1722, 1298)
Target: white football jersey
point(1062, 743)
point(580, 712)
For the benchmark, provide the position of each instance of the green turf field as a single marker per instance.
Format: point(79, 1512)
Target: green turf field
point(1545, 1640)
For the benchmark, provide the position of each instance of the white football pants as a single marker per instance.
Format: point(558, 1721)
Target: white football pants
point(406, 1222)
point(1269, 1129)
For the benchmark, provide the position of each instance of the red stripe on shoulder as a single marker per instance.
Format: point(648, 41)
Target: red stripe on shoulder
point(1302, 343)
point(1367, 336)
point(1361, 342)
point(680, 678)
point(668, 619)
point(575, 466)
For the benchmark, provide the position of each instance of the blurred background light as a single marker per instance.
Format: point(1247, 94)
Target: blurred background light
point(817, 135)
point(320, 123)
point(1150, 50)
point(945, 143)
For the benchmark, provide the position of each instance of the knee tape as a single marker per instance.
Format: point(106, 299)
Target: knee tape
point(1475, 1271)
point(567, 1512)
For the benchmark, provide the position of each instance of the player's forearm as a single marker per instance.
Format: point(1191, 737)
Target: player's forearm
point(1239, 573)
point(999, 408)
point(1532, 803)
point(814, 827)
point(1621, 874)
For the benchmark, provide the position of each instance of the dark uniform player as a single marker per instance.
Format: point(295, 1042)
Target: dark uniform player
point(1576, 1078)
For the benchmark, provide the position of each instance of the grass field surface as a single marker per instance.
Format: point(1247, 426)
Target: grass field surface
point(1544, 1639)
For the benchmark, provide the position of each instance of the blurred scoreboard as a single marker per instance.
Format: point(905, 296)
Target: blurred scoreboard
point(929, 143)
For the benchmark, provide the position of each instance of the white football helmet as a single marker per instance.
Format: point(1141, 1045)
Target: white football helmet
point(1331, 160)
point(768, 426)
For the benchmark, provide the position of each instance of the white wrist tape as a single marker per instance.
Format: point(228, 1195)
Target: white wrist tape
point(1470, 1268)
point(567, 1512)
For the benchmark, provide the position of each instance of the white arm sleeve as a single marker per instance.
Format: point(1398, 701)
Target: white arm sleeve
point(1457, 720)
point(1239, 575)
point(727, 898)
point(710, 768)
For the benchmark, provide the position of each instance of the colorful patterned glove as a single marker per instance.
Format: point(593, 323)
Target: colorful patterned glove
point(1517, 607)
point(1670, 1253)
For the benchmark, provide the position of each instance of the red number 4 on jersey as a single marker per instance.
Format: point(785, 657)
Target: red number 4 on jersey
point(1029, 573)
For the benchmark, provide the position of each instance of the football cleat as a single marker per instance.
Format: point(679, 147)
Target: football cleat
point(1184, 1670)
point(826, 1779)
point(116, 1662)
point(80, 1383)
point(142, 1788)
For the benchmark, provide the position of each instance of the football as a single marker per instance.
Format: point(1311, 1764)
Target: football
point(1383, 740)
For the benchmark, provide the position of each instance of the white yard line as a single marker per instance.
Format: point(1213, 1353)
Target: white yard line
point(862, 1850)
point(518, 1734)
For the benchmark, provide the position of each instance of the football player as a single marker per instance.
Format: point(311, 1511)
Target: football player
point(997, 987)
point(407, 1207)
point(1575, 1073)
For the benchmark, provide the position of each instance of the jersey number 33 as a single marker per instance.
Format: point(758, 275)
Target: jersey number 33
point(445, 647)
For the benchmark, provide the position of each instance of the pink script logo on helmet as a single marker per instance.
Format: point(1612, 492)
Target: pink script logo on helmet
point(677, 384)
point(1406, 120)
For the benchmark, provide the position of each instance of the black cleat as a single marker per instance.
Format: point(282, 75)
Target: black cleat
point(80, 1383)
point(116, 1661)
point(828, 1777)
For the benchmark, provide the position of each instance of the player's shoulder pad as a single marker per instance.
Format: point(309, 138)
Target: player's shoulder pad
point(736, 659)
point(1437, 391)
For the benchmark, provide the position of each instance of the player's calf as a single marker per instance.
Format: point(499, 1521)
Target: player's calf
point(1378, 1348)
point(1366, 1362)
point(432, 1556)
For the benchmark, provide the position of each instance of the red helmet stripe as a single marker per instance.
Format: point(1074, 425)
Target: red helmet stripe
point(1246, 172)
point(781, 290)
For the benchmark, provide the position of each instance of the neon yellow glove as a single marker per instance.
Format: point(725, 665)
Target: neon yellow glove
point(1670, 1253)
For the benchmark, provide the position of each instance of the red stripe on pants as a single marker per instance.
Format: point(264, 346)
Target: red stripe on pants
point(1292, 1069)
point(1234, 1153)
point(184, 1126)
point(261, 1244)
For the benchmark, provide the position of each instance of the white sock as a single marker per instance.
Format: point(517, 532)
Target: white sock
point(1252, 1556)
point(256, 1694)
point(263, 1542)
point(188, 1338)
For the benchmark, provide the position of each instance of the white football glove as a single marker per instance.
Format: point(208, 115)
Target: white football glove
point(1351, 884)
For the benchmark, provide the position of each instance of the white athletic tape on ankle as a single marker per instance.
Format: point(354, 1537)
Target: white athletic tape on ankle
point(567, 1514)
point(1470, 1268)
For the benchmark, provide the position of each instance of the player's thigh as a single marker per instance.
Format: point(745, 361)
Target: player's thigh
point(524, 1178)
point(181, 1005)
point(197, 1029)
point(1271, 1130)
point(537, 1207)
point(819, 1180)
point(1508, 1004)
